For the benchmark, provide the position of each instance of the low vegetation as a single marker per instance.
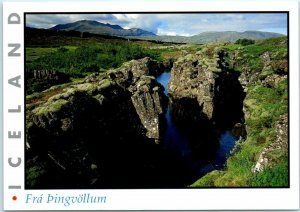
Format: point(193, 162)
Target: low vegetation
point(80, 61)
point(78, 57)
point(248, 58)
point(263, 106)
point(244, 42)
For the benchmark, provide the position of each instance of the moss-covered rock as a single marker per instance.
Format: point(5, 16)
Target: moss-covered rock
point(50, 107)
point(75, 130)
point(203, 76)
point(260, 159)
point(33, 174)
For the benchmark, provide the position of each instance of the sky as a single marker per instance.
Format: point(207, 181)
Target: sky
point(173, 24)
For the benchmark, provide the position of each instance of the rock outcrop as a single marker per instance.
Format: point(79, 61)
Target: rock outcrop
point(206, 98)
point(150, 105)
point(271, 68)
point(72, 130)
point(38, 80)
point(50, 75)
point(206, 78)
point(266, 160)
point(192, 77)
point(147, 95)
point(263, 69)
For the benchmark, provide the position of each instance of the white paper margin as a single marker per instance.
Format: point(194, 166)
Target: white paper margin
point(147, 199)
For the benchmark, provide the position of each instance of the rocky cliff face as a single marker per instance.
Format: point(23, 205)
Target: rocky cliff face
point(78, 129)
point(206, 79)
point(146, 94)
point(263, 153)
point(150, 105)
point(205, 97)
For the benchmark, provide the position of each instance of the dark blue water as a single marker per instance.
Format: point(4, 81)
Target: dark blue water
point(178, 143)
point(173, 139)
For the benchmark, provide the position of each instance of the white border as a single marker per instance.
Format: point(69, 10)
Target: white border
point(155, 199)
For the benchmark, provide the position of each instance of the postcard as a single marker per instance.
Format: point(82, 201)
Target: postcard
point(151, 106)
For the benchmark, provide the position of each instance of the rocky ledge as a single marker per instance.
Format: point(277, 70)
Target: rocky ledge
point(72, 128)
point(206, 98)
point(206, 79)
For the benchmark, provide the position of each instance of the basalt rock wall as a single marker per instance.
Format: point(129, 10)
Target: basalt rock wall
point(206, 95)
point(96, 131)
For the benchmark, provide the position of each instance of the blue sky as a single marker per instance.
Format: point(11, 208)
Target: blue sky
point(174, 24)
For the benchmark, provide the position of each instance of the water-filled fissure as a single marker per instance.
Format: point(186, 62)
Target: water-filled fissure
point(178, 142)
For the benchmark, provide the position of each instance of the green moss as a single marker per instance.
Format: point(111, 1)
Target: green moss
point(50, 107)
point(128, 64)
point(100, 98)
point(214, 69)
point(250, 103)
point(189, 57)
point(87, 87)
point(282, 88)
point(94, 166)
point(266, 72)
point(33, 174)
point(105, 83)
point(29, 123)
point(49, 92)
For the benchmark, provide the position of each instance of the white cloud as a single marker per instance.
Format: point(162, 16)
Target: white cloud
point(185, 34)
point(133, 16)
point(172, 24)
point(165, 32)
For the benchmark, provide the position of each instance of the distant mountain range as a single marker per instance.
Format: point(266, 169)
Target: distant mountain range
point(100, 28)
point(233, 36)
point(96, 27)
point(206, 37)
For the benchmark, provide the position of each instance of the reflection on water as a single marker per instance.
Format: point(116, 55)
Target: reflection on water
point(178, 143)
point(164, 80)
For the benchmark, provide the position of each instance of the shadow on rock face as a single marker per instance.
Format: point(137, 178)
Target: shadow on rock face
point(101, 133)
point(206, 98)
point(187, 115)
point(229, 96)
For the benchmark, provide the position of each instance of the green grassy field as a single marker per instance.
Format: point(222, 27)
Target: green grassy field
point(78, 61)
point(79, 57)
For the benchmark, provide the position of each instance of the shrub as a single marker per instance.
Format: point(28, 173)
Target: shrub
point(62, 49)
point(245, 42)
